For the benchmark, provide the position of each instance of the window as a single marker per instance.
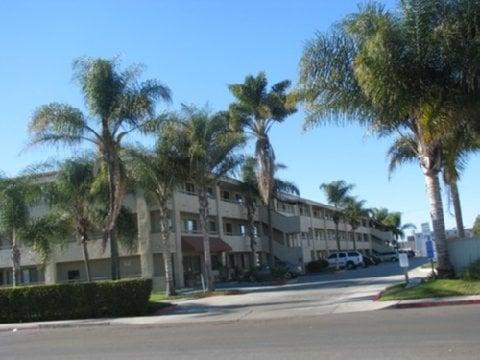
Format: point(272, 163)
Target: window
point(29, 275)
point(190, 225)
point(1, 277)
point(239, 198)
point(352, 254)
point(226, 195)
point(189, 187)
point(342, 255)
point(243, 230)
point(212, 225)
point(228, 229)
point(73, 275)
point(333, 256)
point(210, 192)
point(231, 260)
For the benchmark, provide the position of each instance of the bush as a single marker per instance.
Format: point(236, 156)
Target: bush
point(317, 266)
point(75, 301)
point(473, 271)
point(279, 272)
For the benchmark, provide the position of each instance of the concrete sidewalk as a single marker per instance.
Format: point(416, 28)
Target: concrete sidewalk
point(256, 303)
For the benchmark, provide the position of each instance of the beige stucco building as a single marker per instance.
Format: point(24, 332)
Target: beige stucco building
point(303, 231)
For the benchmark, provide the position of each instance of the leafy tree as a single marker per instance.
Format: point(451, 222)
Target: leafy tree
point(118, 104)
point(391, 72)
point(255, 111)
point(205, 141)
point(159, 171)
point(337, 194)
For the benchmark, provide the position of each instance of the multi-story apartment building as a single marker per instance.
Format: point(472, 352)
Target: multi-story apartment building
point(303, 231)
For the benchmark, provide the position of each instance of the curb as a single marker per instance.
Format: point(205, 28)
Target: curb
point(424, 304)
point(19, 327)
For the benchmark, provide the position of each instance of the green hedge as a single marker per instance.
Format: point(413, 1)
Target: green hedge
point(75, 301)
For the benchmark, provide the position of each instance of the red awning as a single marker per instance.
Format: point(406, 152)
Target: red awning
point(194, 244)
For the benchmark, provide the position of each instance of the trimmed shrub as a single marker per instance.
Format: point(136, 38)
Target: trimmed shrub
point(473, 271)
point(75, 301)
point(317, 266)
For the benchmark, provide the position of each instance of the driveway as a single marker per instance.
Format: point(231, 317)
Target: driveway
point(311, 295)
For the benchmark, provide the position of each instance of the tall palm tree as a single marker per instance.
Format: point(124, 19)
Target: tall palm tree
point(337, 193)
point(207, 144)
point(250, 188)
point(118, 104)
point(354, 212)
point(255, 111)
point(455, 150)
point(159, 171)
point(391, 72)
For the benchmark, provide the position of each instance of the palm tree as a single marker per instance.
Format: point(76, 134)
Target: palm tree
point(159, 171)
point(207, 144)
point(354, 212)
point(72, 197)
point(17, 196)
point(337, 193)
point(250, 188)
point(394, 223)
point(255, 111)
point(118, 104)
point(393, 73)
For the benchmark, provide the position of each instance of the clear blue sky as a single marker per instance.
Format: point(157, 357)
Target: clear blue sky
point(197, 48)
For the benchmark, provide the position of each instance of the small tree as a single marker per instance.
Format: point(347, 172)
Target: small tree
point(476, 226)
point(207, 144)
point(17, 197)
point(354, 212)
point(337, 192)
point(159, 171)
point(250, 188)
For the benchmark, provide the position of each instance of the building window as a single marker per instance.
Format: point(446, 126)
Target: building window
point(73, 275)
point(212, 225)
point(190, 225)
point(228, 229)
point(242, 230)
point(155, 219)
point(239, 198)
point(1, 277)
point(210, 192)
point(226, 195)
point(189, 188)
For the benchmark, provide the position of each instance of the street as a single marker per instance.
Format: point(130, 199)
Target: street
point(431, 333)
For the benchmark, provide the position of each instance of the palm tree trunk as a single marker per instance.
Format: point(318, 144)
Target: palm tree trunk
point(337, 236)
point(167, 255)
point(458, 208)
point(207, 263)
point(86, 260)
point(354, 240)
point(251, 230)
point(15, 258)
point(444, 267)
point(271, 260)
point(110, 233)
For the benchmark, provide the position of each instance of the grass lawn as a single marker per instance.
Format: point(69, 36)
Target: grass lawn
point(160, 296)
point(433, 288)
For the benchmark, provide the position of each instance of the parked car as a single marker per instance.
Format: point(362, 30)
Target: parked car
point(265, 273)
point(388, 256)
point(345, 259)
point(410, 253)
point(293, 270)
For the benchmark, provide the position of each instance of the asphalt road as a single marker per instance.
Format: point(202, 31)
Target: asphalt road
point(429, 333)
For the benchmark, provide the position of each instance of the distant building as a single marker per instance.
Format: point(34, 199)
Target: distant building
point(421, 238)
point(453, 233)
